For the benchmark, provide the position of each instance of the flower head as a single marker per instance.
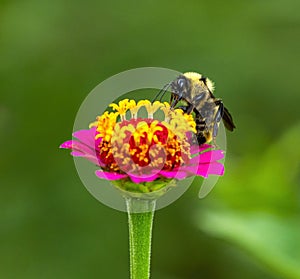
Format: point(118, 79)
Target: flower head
point(144, 152)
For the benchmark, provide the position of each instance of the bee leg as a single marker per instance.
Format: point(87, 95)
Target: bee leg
point(220, 111)
point(184, 108)
point(217, 119)
point(173, 101)
point(176, 98)
point(190, 108)
point(187, 109)
point(214, 135)
point(215, 143)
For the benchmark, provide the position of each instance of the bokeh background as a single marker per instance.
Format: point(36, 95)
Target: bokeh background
point(52, 53)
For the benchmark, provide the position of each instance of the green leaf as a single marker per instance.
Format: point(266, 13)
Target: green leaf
point(258, 205)
point(274, 241)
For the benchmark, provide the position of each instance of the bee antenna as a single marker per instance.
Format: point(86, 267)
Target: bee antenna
point(162, 92)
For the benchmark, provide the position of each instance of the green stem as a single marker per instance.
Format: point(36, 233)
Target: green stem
point(140, 219)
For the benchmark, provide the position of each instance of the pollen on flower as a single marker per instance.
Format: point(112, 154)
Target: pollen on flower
point(105, 125)
point(137, 144)
point(151, 108)
point(123, 106)
point(135, 153)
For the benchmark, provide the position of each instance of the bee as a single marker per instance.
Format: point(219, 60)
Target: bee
point(197, 92)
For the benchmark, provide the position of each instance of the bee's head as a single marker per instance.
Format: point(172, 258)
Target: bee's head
point(180, 87)
point(185, 86)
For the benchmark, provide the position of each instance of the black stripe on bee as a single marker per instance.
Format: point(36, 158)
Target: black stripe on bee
point(203, 79)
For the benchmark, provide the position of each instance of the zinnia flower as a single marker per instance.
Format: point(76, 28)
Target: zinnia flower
point(144, 154)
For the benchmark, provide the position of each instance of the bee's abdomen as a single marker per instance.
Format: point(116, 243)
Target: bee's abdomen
point(201, 128)
point(201, 138)
point(200, 122)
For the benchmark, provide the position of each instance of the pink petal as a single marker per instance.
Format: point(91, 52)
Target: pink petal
point(174, 174)
point(77, 154)
point(200, 148)
point(86, 136)
point(207, 157)
point(205, 146)
point(91, 158)
point(67, 144)
point(215, 168)
point(85, 146)
point(79, 146)
point(81, 150)
point(110, 175)
point(140, 179)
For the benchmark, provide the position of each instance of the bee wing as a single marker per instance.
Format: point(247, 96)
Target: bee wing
point(227, 119)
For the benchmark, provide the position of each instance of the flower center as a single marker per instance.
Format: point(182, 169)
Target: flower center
point(143, 145)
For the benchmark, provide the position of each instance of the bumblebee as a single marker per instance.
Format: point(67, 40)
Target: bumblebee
point(197, 92)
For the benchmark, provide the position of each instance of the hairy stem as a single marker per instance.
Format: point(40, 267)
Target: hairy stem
point(140, 219)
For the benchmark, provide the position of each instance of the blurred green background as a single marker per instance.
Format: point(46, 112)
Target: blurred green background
point(52, 53)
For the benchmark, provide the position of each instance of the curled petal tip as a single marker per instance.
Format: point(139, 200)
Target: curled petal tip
point(67, 144)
